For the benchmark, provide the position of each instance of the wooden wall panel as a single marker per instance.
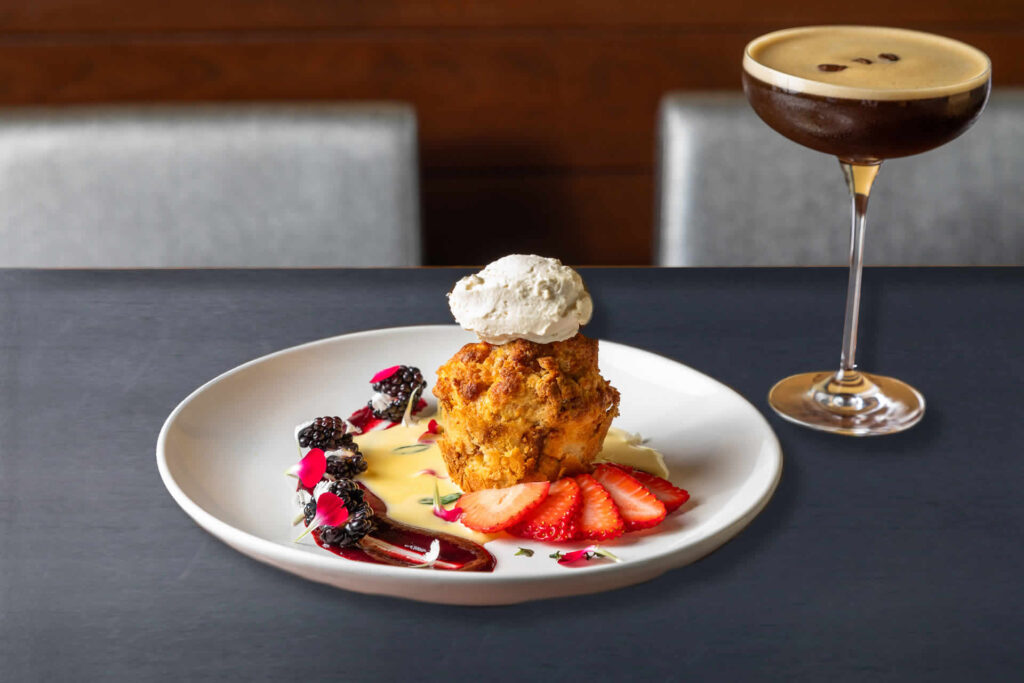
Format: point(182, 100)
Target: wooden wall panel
point(580, 217)
point(536, 119)
point(66, 16)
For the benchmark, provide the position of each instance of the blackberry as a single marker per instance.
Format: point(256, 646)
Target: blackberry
point(346, 489)
point(359, 523)
point(346, 466)
point(309, 511)
point(405, 385)
point(326, 433)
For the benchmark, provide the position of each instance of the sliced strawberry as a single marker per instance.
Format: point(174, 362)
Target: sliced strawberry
point(555, 518)
point(599, 519)
point(663, 490)
point(492, 510)
point(638, 506)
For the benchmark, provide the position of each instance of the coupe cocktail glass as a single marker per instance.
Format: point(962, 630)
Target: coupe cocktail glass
point(863, 94)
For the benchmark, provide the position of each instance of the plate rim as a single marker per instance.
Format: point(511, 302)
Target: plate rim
point(282, 557)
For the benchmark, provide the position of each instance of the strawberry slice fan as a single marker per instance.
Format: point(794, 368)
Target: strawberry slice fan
point(555, 518)
point(493, 510)
point(598, 507)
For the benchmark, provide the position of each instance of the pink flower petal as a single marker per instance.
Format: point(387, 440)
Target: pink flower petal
point(431, 435)
point(384, 374)
point(310, 470)
point(440, 512)
point(589, 553)
point(330, 511)
point(575, 555)
point(361, 418)
point(448, 515)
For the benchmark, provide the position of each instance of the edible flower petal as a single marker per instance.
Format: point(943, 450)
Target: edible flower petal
point(360, 419)
point(310, 469)
point(330, 511)
point(430, 435)
point(588, 553)
point(384, 374)
point(432, 473)
point(440, 512)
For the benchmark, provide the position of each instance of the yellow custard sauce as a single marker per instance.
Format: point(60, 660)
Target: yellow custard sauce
point(396, 461)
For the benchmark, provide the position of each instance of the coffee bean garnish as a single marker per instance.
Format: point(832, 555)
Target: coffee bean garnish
point(889, 57)
point(861, 60)
point(830, 67)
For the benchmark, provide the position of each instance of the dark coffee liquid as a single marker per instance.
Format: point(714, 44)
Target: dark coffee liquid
point(865, 131)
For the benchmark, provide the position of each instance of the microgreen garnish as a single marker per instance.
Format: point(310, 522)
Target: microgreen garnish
point(588, 553)
point(310, 469)
point(440, 512)
point(330, 511)
point(447, 499)
point(411, 448)
point(525, 552)
point(407, 419)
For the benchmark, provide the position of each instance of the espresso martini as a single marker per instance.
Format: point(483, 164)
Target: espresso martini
point(864, 94)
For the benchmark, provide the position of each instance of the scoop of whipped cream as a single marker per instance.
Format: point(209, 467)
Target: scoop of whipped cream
point(522, 297)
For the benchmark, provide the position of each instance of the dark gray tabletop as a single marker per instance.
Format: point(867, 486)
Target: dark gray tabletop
point(891, 558)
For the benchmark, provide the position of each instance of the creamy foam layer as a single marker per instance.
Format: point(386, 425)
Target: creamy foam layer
point(866, 63)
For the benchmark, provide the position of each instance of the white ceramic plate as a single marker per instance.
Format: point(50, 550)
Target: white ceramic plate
point(223, 451)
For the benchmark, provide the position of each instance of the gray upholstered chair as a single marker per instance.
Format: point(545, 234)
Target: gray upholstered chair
point(250, 185)
point(731, 191)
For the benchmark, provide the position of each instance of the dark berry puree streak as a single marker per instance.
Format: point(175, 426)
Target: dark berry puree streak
point(456, 554)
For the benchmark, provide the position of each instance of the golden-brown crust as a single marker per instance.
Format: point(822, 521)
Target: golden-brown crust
point(522, 411)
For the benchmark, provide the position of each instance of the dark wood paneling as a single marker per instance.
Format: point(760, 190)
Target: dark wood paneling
point(484, 101)
point(537, 119)
point(202, 15)
point(596, 218)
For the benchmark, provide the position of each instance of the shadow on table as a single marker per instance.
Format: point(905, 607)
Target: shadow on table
point(679, 585)
point(673, 586)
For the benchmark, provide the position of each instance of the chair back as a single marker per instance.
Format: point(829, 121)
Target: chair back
point(210, 185)
point(733, 192)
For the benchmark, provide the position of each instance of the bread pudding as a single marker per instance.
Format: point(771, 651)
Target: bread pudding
point(523, 411)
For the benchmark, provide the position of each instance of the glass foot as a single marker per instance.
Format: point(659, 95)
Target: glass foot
point(848, 402)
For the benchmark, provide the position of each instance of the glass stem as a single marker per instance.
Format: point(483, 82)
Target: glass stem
point(859, 179)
